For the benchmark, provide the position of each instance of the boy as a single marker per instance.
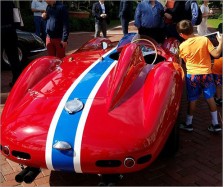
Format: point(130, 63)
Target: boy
point(196, 51)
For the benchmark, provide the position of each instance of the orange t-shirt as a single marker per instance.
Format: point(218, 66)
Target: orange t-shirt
point(195, 52)
point(170, 3)
point(217, 66)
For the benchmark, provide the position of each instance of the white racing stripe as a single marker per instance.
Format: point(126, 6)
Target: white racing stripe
point(82, 121)
point(53, 125)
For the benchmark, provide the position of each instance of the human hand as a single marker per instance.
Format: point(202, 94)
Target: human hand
point(219, 38)
point(44, 15)
point(168, 16)
point(103, 15)
point(63, 44)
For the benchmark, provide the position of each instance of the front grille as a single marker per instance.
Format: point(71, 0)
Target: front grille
point(108, 163)
point(21, 155)
point(144, 159)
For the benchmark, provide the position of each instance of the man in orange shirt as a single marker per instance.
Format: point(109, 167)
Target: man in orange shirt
point(196, 51)
point(217, 75)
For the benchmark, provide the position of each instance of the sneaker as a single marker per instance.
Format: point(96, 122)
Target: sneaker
point(185, 127)
point(214, 128)
point(218, 101)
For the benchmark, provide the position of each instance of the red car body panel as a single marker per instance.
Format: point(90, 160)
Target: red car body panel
point(131, 114)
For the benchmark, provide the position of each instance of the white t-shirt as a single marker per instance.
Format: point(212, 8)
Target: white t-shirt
point(203, 27)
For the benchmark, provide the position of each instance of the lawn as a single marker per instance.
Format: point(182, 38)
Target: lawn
point(214, 23)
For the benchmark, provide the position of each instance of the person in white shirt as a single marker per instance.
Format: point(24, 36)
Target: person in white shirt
point(38, 7)
point(100, 12)
point(203, 27)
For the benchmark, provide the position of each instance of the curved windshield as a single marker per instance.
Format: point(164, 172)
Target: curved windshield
point(130, 37)
point(125, 40)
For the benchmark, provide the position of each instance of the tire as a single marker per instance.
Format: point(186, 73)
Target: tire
point(5, 57)
point(172, 143)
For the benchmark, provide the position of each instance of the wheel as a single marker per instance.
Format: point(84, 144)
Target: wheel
point(172, 143)
point(5, 57)
point(110, 179)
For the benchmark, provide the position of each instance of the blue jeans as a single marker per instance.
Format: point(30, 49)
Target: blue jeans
point(40, 26)
point(101, 26)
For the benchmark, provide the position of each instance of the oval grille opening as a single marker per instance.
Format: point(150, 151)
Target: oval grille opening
point(108, 163)
point(21, 155)
point(144, 159)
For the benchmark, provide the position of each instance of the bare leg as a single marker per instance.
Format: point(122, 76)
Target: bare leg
point(219, 92)
point(212, 104)
point(191, 108)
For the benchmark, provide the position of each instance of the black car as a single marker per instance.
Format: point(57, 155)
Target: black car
point(29, 44)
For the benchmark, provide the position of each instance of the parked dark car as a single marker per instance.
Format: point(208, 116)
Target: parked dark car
point(29, 44)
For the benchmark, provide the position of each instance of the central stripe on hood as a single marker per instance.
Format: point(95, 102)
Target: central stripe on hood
point(69, 128)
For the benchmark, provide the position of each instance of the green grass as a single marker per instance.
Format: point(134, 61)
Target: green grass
point(214, 23)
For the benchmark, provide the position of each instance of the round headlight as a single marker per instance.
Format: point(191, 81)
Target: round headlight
point(61, 145)
point(74, 106)
point(129, 162)
point(5, 150)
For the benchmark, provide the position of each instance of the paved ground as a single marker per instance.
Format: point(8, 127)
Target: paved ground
point(197, 163)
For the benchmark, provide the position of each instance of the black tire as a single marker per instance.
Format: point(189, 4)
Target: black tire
point(21, 52)
point(109, 179)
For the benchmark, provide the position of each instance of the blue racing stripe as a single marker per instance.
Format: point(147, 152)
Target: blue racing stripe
point(67, 123)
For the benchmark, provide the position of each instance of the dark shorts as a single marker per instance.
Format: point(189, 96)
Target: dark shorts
point(217, 79)
point(196, 84)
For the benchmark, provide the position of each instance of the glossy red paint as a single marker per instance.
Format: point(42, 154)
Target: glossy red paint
point(139, 124)
point(33, 100)
point(131, 115)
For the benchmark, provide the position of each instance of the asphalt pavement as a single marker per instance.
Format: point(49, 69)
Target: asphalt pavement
point(198, 161)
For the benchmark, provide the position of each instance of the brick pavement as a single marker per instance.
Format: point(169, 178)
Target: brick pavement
point(197, 163)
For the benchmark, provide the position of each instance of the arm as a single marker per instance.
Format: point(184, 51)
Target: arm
point(216, 52)
point(95, 13)
point(44, 14)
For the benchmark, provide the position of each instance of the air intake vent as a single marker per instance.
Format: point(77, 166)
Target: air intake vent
point(21, 155)
point(144, 159)
point(108, 163)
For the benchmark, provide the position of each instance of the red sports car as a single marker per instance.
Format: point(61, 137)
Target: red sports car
point(108, 108)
